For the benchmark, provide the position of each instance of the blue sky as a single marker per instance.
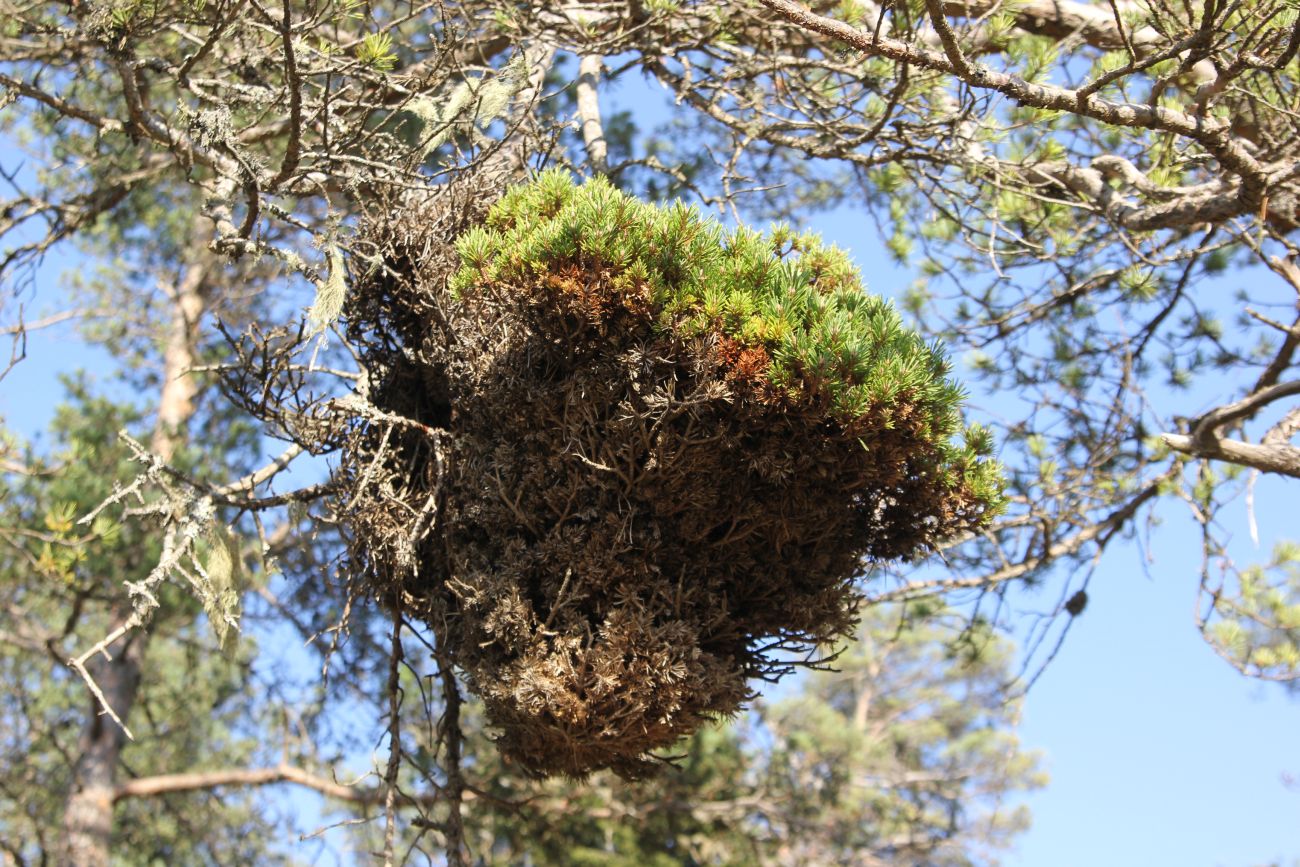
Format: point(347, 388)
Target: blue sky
point(1159, 752)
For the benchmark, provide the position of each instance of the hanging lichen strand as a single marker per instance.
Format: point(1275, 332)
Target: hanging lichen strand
point(662, 453)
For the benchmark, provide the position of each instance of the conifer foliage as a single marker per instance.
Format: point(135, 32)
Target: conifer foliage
point(627, 460)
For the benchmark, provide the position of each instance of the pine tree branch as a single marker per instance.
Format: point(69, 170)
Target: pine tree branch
point(394, 737)
point(46, 322)
point(1273, 455)
point(1062, 19)
point(163, 784)
point(62, 106)
point(451, 739)
point(1279, 458)
point(1212, 133)
point(1203, 429)
point(1101, 531)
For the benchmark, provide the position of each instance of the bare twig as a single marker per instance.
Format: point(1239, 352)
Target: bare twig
point(394, 738)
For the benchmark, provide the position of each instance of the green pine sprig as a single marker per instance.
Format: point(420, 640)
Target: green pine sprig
point(829, 342)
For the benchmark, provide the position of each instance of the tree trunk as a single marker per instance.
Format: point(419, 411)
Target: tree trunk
point(88, 814)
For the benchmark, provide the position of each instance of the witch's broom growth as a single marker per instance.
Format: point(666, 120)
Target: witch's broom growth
point(647, 459)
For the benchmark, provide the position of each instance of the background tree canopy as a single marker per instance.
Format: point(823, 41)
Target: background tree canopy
point(1067, 178)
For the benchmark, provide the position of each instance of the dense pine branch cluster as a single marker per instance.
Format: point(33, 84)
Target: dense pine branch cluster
point(648, 458)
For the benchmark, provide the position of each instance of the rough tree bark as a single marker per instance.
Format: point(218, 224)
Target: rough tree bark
point(88, 817)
